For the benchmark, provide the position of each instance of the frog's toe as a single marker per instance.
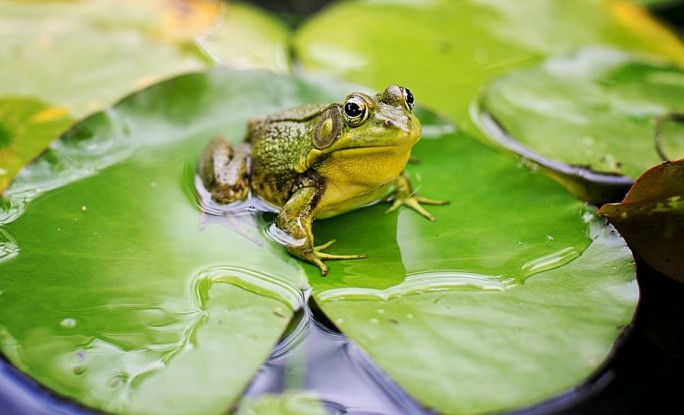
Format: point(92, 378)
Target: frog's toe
point(324, 268)
point(318, 251)
point(426, 201)
point(414, 202)
point(323, 255)
point(395, 205)
point(325, 246)
point(316, 256)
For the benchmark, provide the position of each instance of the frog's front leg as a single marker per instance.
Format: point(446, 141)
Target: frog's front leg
point(405, 195)
point(295, 219)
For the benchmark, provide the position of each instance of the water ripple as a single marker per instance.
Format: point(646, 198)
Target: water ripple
point(423, 282)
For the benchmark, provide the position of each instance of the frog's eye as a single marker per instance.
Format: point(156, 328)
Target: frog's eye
point(355, 110)
point(408, 97)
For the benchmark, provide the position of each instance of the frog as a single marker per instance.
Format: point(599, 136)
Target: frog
point(317, 161)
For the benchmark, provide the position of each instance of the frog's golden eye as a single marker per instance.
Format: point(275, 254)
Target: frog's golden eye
point(408, 98)
point(355, 110)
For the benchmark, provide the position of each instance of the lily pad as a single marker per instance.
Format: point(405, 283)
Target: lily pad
point(651, 217)
point(461, 345)
point(506, 302)
point(26, 128)
point(446, 50)
point(121, 293)
point(81, 56)
point(129, 45)
point(137, 300)
point(487, 229)
point(247, 38)
point(591, 115)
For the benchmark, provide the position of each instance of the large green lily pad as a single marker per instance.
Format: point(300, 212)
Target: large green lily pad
point(497, 290)
point(80, 56)
point(596, 110)
point(119, 292)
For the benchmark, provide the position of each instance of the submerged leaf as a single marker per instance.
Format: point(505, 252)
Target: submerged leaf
point(651, 217)
point(285, 404)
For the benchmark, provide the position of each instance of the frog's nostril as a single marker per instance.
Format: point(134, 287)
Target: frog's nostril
point(387, 123)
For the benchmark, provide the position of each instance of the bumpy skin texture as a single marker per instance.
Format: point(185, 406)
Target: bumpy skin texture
point(318, 161)
point(279, 142)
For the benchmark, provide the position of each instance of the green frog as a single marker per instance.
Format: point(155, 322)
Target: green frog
point(318, 161)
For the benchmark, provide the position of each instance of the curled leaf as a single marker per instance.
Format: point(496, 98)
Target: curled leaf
point(651, 217)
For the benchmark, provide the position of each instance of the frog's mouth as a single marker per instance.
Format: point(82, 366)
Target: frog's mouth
point(383, 147)
point(393, 137)
point(375, 150)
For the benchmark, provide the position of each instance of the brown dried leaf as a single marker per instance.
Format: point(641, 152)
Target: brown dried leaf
point(651, 218)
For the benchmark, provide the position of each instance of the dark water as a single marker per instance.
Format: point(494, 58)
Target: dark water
point(315, 357)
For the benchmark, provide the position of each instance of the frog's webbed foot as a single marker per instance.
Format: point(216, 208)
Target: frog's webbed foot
point(404, 196)
point(316, 255)
point(294, 221)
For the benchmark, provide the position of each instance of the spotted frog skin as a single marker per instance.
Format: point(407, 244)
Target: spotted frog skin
point(318, 161)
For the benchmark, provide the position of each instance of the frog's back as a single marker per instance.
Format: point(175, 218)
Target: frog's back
point(302, 113)
point(279, 143)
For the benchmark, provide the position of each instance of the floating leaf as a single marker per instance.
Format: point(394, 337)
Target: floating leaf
point(497, 290)
point(591, 115)
point(86, 54)
point(26, 127)
point(464, 346)
point(138, 302)
point(447, 50)
point(248, 37)
point(124, 295)
point(81, 56)
point(651, 217)
point(488, 229)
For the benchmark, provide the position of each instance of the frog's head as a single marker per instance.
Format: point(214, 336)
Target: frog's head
point(363, 124)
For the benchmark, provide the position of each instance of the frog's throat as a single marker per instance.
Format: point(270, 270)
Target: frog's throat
point(366, 167)
point(381, 151)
